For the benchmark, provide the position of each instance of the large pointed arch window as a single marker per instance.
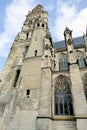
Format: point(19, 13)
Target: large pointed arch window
point(63, 63)
point(62, 97)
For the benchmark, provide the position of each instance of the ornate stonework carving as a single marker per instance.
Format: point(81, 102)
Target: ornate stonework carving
point(38, 8)
point(62, 83)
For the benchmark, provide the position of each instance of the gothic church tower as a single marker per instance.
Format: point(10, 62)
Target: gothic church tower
point(43, 84)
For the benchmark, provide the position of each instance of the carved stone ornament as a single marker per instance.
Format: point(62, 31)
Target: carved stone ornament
point(38, 8)
point(46, 47)
point(67, 31)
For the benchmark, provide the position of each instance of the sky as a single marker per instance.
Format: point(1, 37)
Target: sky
point(62, 13)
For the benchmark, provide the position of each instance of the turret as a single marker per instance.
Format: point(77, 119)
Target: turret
point(68, 35)
point(48, 55)
point(69, 45)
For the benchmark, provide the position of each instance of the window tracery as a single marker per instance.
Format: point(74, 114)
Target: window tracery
point(62, 97)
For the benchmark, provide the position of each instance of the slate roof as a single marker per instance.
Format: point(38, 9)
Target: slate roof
point(78, 41)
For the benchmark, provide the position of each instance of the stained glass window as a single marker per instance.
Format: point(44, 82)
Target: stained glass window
point(81, 62)
point(63, 63)
point(63, 99)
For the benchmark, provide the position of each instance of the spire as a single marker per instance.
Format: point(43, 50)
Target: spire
point(68, 36)
point(67, 30)
point(38, 8)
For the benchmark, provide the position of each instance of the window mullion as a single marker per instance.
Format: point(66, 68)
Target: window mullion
point(68, 101)
point(63, 104)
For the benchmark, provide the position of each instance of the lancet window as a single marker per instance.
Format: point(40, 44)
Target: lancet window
point(63, 63)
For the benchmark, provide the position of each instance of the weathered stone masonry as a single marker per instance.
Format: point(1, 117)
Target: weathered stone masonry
point(43, 85)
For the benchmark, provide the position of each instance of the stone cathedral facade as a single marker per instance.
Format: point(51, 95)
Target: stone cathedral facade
point(43, 85)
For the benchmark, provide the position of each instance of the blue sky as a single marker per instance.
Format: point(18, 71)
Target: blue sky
point(62, 13)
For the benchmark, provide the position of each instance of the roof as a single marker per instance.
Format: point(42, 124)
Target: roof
point(76, 41)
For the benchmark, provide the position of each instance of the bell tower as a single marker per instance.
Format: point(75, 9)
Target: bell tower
point(39, 24)
point(25, 61)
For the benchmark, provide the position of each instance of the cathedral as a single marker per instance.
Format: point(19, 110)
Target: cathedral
point(43, 85)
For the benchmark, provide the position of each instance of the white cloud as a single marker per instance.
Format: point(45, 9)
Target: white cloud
point(68, 15)
point(4, 43)
point(15, 15)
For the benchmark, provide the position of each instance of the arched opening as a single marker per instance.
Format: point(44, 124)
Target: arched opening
point(43, 25)
point(38, 24)
point(16, 77)
point(27, 35)
point(62, 97)
point(35, 52)
point(28, 93)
